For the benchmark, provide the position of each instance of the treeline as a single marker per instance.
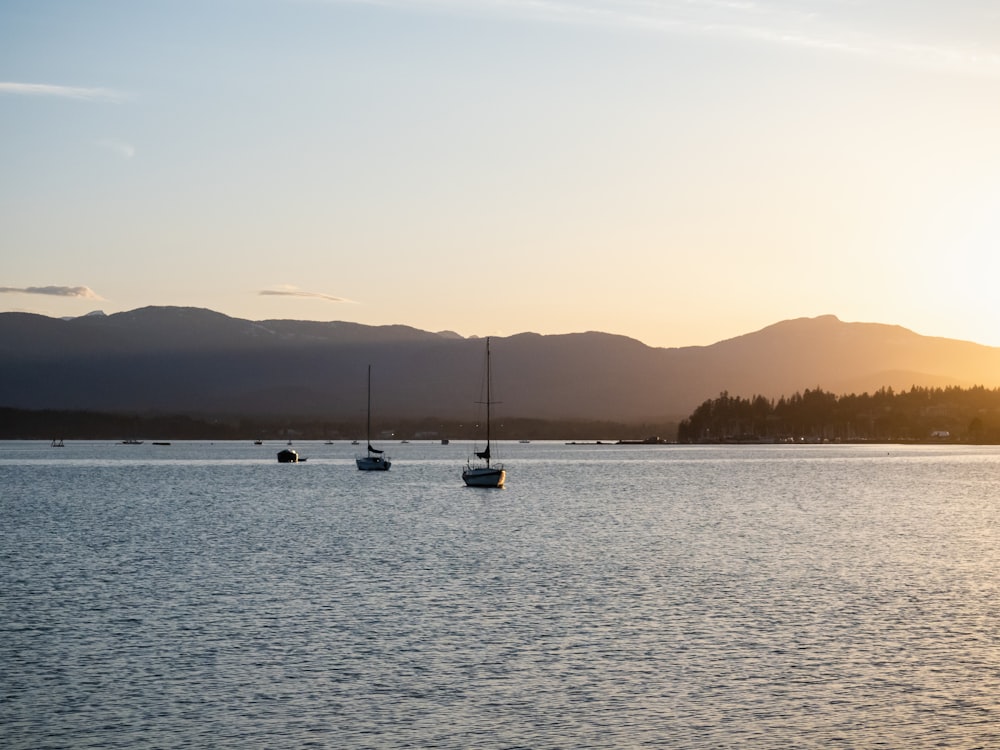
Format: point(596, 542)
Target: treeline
point(951, 414)
point(23, 424)
point(968, 415)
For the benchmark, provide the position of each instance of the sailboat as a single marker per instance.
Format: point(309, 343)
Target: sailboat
point(484, 473)
point(374, 461)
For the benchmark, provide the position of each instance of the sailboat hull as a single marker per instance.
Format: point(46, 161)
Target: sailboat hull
point(484, 477)
point(373, 463)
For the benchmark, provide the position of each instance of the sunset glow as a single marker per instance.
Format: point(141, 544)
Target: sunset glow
point(678, 172)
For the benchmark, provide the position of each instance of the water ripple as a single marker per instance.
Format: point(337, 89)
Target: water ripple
point(651, 598)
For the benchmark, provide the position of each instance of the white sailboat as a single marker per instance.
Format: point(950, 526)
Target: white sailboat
point(484, 473)
point(374, 460)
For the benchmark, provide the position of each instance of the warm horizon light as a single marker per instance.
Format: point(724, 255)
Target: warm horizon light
point(677, 172)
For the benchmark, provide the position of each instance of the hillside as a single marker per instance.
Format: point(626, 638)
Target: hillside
point(195, 361)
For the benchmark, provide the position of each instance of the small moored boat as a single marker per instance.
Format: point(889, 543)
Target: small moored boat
point(374, 460)
point(483, 473)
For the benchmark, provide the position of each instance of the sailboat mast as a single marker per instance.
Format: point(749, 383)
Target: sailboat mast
point(489, 398)
point(368, 427)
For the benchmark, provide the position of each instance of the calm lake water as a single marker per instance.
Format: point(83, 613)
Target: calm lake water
point(202, 595)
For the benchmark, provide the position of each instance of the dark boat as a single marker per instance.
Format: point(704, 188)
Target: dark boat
point(374, 460)
point(288, 456)
point(483, 473)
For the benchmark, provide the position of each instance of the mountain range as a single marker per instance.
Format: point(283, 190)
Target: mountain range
point(196, 361)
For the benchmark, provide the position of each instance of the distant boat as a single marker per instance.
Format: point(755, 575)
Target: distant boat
point(131, 442)
point(483, 473)
point(258, 442)
point(58, 444)
point(445, 441)
point(161, 443)
point(374, 461)
point(288, 456)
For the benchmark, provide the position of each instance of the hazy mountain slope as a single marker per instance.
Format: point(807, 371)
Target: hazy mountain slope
point(846, 357)
point(199, 361)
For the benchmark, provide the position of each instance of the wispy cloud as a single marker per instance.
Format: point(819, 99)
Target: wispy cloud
point(125, 150)
point(64, 92)
point(848, 28)
point(83, 292)
point(292, 291)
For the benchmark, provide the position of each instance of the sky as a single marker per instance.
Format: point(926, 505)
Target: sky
point(676, 171)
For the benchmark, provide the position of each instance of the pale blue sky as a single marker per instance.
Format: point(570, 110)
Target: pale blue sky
point(679, 171)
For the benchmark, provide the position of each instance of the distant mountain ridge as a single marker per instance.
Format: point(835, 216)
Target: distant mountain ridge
point(197, 361)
